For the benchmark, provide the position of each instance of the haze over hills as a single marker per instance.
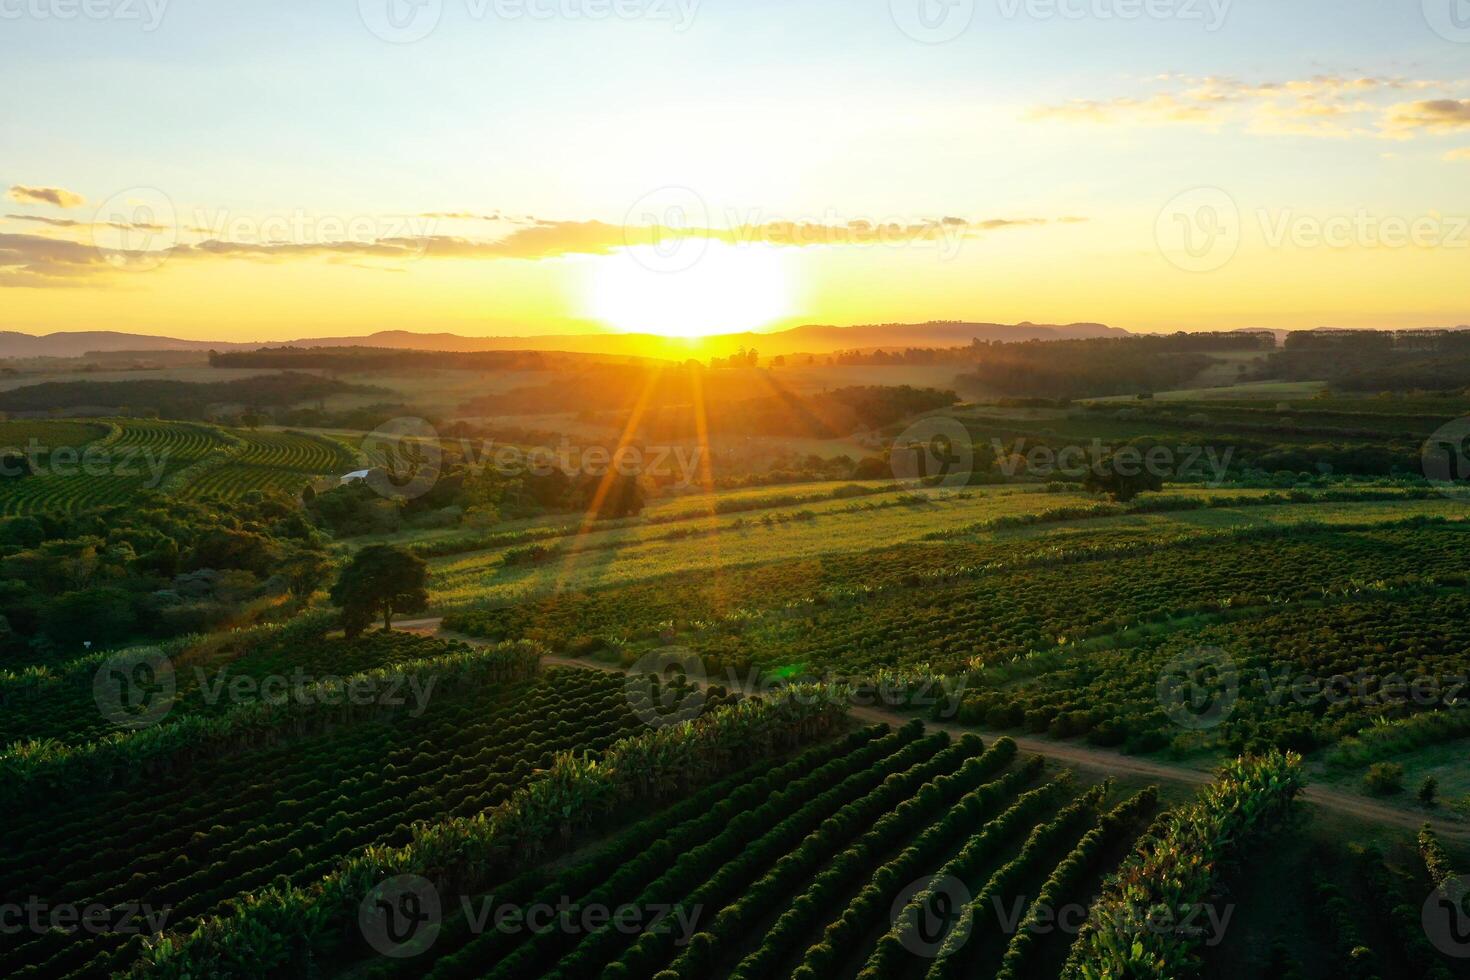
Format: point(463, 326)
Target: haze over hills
point(814, 338)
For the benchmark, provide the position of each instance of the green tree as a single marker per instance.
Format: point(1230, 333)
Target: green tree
point(1122, 480)
point(305, 571)
point(1429, 791)
point(380, 580)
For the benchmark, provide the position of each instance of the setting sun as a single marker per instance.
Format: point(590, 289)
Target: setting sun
point(704, 287)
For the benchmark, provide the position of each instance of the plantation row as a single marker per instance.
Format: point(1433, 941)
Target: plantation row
point(900, 855)
point(1265, 681)
point(60, 703)
point(273, 461)
point(290, 810)
point(131, 455)
point(284, 928)
point(956, 617)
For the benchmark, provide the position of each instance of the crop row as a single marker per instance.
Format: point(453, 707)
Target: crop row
point(792, 870)
point(295, 809)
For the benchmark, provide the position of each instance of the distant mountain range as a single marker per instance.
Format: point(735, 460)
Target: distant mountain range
point(810, 339)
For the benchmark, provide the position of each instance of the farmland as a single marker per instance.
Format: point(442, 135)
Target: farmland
point(814, 765)
point(82, 465)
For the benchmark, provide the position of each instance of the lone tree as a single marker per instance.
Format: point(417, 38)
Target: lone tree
point(1122, 478)
point(381, 580)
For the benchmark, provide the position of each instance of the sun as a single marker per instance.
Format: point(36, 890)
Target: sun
point(705, 287)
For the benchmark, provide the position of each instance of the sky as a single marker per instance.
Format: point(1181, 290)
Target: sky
point(284, 169)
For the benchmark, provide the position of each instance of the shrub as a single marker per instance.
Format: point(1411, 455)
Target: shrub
point(1384, 779)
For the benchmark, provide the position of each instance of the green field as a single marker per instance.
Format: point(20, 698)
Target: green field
point(107, 461)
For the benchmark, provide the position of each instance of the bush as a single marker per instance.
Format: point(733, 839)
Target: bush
point(1384, 779)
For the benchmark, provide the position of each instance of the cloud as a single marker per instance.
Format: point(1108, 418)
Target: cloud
point(1322, 106)
point(1463, 153)
point(70, 223)
point(1431, 114)
point(36, 260)
point(46, 195)
point(460, 216)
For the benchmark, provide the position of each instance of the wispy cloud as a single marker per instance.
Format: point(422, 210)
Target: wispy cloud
point(46, 195)
point(36, 260)
point(1324, 106)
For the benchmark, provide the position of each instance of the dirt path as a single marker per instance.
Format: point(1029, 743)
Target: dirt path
point(1079, 755)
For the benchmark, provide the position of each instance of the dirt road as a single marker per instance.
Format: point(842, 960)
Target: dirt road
point(1082, 756)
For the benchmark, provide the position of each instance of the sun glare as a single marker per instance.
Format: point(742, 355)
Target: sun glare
point(719, 288)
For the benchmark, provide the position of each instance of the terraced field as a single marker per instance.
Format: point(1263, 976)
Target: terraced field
point(115, 459)
point(272, 461)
